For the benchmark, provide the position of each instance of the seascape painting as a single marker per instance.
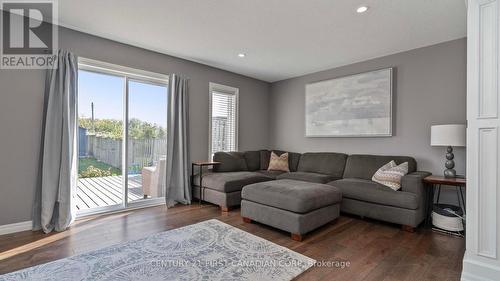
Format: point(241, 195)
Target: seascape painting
point(354, 106)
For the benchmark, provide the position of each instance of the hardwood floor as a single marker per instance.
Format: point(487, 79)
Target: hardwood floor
point(374, 250)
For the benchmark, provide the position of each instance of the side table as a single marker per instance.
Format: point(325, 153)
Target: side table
point(200, 165)
point(434, 183)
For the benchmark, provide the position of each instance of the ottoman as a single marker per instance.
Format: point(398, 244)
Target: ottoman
point(293, 206)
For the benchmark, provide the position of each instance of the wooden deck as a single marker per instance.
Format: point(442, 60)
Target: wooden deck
point(106, 191)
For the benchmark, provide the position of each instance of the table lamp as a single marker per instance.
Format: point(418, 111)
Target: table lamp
point(449, 136)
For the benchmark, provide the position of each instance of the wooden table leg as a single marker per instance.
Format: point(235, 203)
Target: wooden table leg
point(462, 198)
point(201, 183)
point(430, 204)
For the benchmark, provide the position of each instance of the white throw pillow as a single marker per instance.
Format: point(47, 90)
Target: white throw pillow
point(390, 174)
point(279, 163)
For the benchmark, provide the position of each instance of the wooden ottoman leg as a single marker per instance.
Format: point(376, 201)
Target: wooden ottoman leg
point(296, 237)
point(247, 220)
point(225, 209)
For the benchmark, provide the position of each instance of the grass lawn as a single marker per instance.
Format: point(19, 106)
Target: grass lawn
point(84, 163)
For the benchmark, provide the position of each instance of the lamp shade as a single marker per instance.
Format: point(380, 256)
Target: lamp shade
point(448, 135)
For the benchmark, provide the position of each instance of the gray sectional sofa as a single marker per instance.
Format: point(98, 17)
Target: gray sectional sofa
point(351, 174)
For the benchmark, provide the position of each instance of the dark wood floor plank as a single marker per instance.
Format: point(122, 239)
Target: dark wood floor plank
point(375, 250)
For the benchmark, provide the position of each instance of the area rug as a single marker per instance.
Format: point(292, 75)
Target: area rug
point(209, 250)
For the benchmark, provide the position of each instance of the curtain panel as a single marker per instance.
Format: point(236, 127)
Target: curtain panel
point(54, 207)
point(178, 188)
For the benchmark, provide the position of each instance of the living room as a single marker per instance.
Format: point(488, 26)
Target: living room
point(249, 140)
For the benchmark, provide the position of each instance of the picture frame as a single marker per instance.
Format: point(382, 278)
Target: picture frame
point(358, 105)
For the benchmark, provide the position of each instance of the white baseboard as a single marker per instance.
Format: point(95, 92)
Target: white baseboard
point(15, 227)
point(474, 270)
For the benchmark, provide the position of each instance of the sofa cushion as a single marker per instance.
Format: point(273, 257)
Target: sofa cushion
point(290, 195)
point(293, 159)
point(230, 162)
point(252, 158)
point(271, 174)
point(328, 163)
point(364, 166)
point(265, 156)
point(309, 177)
point(230, 181)
point(369, 191)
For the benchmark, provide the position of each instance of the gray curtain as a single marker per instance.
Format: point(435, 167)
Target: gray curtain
point(178, 189)
point(54, 207)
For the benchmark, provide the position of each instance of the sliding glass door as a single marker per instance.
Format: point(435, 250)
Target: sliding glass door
point(100, 131)
point(147, 140)
point(122, 129)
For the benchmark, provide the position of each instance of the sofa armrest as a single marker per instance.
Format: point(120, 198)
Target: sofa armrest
point(414, 183)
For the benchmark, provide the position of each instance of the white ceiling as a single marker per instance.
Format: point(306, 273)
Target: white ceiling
point(282, 38)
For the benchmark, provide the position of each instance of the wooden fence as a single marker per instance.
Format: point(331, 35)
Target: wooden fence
point(141, 153)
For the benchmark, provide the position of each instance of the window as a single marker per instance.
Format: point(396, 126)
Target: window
point(223, 115)
point(122, 120)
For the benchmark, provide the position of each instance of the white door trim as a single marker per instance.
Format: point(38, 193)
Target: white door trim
point(482, 255)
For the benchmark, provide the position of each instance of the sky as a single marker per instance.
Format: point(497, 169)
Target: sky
point(147, 102)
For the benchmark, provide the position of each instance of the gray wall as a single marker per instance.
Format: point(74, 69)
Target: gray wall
point(430, 88)
point(22, 101)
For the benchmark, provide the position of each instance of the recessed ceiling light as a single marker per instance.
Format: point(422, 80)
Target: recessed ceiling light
point(362, 9)
point(241, 55)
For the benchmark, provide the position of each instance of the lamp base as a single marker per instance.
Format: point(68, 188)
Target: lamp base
point(450, 164)
point(450, 173)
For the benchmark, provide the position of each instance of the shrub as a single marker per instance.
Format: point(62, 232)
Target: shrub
point(92, 172)
point(111, 128)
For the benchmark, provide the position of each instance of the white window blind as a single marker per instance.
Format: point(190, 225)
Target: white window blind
point(224, 119)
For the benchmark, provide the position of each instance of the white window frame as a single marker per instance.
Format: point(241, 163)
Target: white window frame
point(214, 87)
point(129, 74)
point(119, 70)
